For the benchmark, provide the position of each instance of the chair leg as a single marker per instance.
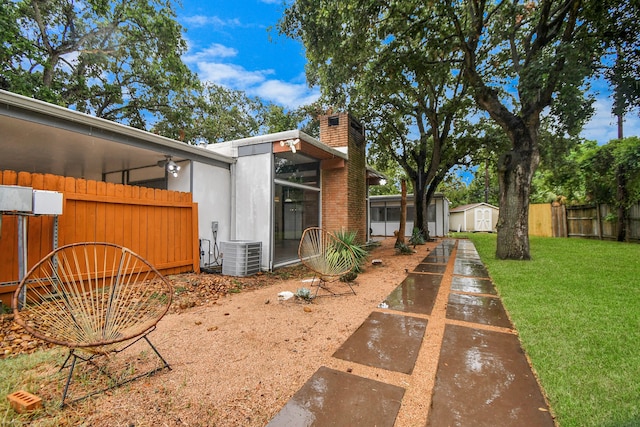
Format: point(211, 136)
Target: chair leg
point(166, 365)
point(74, 357)
point(334, 294)
point(71, 368)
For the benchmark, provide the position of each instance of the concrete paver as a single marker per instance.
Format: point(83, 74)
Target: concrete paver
point(387, 341)
point(482, 377)
point(334, 398)
point(486, 310)
point(472, 285)
point(416, 294)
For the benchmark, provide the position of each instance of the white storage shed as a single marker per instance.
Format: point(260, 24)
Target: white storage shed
point(474, 217)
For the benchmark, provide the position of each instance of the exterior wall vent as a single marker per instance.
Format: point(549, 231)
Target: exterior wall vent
point(241, 257)
point(334, 120)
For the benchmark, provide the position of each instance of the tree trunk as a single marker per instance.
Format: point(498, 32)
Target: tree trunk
point(403, 214)
point(621, 199)
point(515, 171)
point(486, 180)
point(420, 215)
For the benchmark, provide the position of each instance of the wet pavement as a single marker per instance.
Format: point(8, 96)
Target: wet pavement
point(482, 376)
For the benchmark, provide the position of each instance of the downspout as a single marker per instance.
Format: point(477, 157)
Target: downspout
point(191, 165)
point(232, 205)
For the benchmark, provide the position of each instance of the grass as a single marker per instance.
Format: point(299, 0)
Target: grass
point(39, 374)
point(576, 306)
point(32, 372)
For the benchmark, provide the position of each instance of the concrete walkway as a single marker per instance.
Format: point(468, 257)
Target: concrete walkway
point(449, 331)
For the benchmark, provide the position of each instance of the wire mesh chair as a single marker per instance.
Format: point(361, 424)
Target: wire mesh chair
point(327, 256)
point(95, 299)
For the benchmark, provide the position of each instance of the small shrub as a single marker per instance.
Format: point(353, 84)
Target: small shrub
point(349, 239)
point(416, 237)
point(304, 294)
point(402, 249)
point(349, 277)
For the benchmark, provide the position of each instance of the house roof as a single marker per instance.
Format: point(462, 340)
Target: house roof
point(463, 208)
point(396, 197)
point(44, 138)
point(306, 145)
point(40, 137)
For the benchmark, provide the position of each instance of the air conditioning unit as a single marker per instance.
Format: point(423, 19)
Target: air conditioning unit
point(241, 257)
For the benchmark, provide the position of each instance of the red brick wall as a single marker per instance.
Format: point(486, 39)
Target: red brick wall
point(344, 189)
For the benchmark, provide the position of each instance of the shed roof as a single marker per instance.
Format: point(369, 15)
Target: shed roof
point(463, 208)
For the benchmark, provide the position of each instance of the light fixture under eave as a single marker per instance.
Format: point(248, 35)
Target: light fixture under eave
point(170, 166)
point(291, 143)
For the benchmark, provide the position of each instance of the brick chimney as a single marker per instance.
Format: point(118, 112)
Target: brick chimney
point(344, 185)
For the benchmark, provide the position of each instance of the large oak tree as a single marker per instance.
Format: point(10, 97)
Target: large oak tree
point(119, 60)
point(386, 63)
point(519, 60)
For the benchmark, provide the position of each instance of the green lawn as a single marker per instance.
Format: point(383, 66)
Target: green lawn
point(576, 306)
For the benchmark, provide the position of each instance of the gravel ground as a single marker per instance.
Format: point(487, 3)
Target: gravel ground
point(237, 351)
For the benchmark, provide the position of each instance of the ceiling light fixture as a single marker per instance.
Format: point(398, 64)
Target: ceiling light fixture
point(291, 143)
point(170, 166)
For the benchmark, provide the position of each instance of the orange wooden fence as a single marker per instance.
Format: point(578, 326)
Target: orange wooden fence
point(159, 225)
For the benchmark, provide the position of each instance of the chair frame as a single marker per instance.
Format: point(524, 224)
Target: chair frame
point(72, 280)
point(318, 252)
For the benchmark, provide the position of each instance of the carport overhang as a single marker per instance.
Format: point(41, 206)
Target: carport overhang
point(39, 137)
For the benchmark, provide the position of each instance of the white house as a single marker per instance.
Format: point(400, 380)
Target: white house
point(263, 189)
point(474, 217)
point(384, 213)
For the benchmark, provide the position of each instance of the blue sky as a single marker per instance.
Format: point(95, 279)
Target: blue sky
point(230, 44)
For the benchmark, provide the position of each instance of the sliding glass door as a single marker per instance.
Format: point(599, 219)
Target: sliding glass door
point(296, 203)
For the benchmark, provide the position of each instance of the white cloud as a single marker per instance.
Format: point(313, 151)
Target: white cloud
point(215, 50)
point(207, 63)
point(231, 75)
point(603, 125)
point(290, 95)
point(196, 21)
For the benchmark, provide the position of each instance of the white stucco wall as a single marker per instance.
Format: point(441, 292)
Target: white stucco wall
point(253, 195)
point(212, 193)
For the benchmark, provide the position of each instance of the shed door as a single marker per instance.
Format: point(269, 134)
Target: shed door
point(483, 219)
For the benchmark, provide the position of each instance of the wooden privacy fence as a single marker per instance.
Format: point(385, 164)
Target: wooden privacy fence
point(591, 221)
point(159, 225)
point(599, 222)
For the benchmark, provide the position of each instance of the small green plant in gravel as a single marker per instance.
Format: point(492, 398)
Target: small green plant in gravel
point(416, 237)
point(403, 249)
point(348, 238)
point(238, 287)
point(304, 294)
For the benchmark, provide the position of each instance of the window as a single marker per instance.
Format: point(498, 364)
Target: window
point(377, 213)
point(297, 168)
point(431, 212)
point(393, 213)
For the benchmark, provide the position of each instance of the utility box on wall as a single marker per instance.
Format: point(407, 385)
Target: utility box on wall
point(14, 198)
point(47, 202)
point(241, 258)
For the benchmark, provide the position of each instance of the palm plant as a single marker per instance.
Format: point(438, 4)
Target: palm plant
point(349, 242)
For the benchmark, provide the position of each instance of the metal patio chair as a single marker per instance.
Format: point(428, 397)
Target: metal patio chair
point(328, 257)
point(95, 299)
